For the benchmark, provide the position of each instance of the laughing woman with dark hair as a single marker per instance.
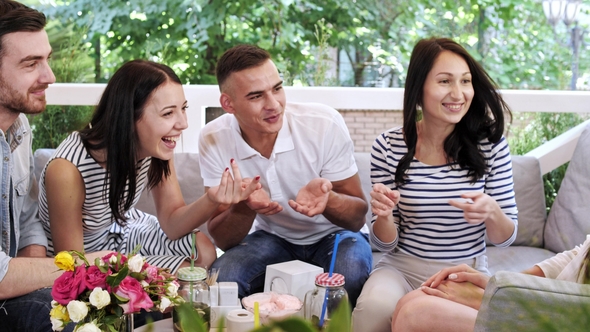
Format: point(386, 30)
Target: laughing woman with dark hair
point(91, 183)
point(441, 183)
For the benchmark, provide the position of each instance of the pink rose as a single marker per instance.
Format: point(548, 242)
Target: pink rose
point(106, 258)
point(131, 289)
point(95, 278)
point(151, 273)
point(69, 285)
point(159, 281)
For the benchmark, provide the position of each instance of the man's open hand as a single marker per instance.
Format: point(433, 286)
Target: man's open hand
point(313, 198)
point(259, 201)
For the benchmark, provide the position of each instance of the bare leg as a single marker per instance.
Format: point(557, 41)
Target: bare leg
point(406, 300)
point(418, 311)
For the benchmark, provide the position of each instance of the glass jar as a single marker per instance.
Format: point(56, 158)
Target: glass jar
point(194, 289)
point(329, 290)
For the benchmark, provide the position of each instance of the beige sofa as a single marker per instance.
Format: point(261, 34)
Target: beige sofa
point(517, 302)
point(512, 301)
point(530, 246)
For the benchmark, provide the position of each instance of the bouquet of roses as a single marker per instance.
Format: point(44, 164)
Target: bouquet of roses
point(96, 297)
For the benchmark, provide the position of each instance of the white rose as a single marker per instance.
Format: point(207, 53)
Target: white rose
point(54, 303)
point(88, 327)
point(164, 303)
point(56, 324)
point(77, 310)
point(99, 298)
point(113, 259)
point(172, 289)
point(135, 263)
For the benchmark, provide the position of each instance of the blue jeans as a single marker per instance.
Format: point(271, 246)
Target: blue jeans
point(29, 312)
point(246, 263)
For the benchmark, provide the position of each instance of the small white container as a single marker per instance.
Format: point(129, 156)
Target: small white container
point(293, 277)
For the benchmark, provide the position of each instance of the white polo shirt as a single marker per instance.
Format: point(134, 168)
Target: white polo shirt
point(313, 142)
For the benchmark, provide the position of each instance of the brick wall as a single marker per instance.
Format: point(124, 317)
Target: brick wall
point(365, 126)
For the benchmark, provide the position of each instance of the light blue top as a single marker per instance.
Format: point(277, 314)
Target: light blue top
point(20, 226)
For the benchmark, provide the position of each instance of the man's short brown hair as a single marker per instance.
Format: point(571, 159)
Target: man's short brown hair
point(238, 58)
point(16, 17)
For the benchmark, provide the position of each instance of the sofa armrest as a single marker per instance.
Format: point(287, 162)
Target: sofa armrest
point(518, 302)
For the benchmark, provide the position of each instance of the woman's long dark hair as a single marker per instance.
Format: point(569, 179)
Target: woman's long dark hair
point(112, 128)
point(484, 119)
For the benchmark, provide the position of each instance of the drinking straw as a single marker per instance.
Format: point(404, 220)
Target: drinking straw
point(193, 247)
point(256, 314)
point(336, 240)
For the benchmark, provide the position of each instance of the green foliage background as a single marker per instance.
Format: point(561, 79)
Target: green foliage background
point(511, 39)
point(541, 128)
point(70, 63)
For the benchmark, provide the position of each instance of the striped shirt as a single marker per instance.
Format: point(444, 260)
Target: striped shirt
point(428, 226)
point(100, 229)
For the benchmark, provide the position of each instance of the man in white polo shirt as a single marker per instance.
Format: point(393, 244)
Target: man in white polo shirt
point(310, 187)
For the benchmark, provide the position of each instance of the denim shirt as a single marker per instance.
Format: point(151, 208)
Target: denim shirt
point(18, 193)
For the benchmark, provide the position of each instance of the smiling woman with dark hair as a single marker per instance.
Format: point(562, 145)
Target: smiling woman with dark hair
point(90, 185)
point(441, 183)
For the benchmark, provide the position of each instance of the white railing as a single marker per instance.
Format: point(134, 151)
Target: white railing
point(559, 150)
point(200, 97)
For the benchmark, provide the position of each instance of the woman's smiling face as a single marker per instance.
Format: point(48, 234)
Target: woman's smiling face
point(448, 90)
point(162, 121)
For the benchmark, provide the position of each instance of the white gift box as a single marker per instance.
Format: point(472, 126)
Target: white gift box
point(293, 277)
point(224, 298)
point(228, 294)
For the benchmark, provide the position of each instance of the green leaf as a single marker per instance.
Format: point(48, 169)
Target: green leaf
point(118, 311)
point(120, 299)
point(110, 319)
point(138, 276)
point(149, 324)
point(340, 320)
point(189, 319)
point(81, 256)
point(115, 279)
point(135, 250)
point(294, 324)
point(221, 326)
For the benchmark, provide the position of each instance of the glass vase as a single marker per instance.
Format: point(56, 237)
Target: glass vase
point(124, 324)
point(120, 324)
